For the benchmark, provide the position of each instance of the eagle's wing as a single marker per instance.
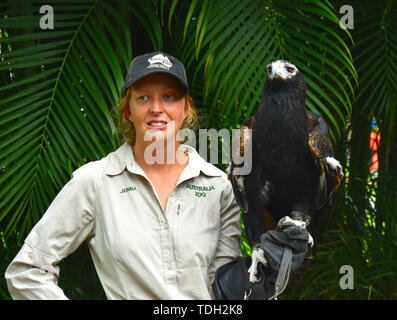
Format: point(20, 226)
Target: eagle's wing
point(320, 147)
point(252, 193)
point(238, 150)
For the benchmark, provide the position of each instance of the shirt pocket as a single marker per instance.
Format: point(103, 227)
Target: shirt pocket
point(198, 229)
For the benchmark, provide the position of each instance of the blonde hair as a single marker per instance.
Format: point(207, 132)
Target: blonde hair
point(127, 129)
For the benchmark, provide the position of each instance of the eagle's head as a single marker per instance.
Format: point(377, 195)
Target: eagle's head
point(285, 78)
point(281, 69)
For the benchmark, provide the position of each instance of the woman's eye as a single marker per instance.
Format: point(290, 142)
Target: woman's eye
point(169, 97)
point(142, 98)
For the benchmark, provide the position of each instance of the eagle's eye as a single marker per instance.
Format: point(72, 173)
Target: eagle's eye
point(290, 69)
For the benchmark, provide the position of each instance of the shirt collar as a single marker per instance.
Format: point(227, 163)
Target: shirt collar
point(123, 158)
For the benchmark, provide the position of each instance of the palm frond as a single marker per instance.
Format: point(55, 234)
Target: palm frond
point(233, 43)
point(377, 58)
point(55, 107)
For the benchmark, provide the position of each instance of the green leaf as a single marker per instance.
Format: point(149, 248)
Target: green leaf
point(60, 88)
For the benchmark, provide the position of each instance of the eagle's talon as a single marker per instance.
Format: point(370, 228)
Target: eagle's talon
point(287, 221)
point(310, 241)
point(300, 216)
point(256, 256)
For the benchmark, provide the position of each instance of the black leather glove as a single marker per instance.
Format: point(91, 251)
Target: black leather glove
point(232, 279)
point(290, 233)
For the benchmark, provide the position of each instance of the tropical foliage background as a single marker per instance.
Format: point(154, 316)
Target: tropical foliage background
point(59, 89)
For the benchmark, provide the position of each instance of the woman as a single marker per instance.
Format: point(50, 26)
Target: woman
point(156, 228)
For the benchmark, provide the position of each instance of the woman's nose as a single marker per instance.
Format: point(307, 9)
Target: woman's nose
point(156, 105)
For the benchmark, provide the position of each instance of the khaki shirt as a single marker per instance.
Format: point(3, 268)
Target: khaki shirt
point(139, 251)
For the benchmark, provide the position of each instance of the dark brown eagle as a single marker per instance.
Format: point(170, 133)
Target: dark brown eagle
point(294, 172)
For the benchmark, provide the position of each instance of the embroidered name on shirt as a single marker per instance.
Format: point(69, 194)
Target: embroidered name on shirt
point(199, 189)
point(128, 189)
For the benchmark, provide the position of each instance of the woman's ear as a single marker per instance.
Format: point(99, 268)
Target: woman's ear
point(126, 111)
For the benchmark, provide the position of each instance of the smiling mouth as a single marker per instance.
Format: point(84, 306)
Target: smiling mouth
point(157, 124)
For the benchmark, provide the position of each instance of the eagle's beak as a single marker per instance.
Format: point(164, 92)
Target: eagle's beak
point(275, 74)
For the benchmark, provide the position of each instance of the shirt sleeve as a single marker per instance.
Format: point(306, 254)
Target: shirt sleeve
point(69, 220)
point(230, 232)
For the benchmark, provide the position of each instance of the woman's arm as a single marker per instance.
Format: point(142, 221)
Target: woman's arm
point(33, 274)
point(230, 231)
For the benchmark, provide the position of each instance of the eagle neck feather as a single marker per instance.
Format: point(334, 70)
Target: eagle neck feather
point(284, 125)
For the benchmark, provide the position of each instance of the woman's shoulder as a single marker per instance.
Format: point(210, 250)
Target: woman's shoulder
point(96, 170)
point(92, 171)
point(113, 163)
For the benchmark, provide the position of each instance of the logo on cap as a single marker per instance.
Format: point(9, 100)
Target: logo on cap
point(159, 61)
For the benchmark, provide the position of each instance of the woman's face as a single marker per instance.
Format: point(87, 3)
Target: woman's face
point(157, 104)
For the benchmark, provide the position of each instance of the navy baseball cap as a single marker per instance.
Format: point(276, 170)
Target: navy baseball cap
point(155, 62)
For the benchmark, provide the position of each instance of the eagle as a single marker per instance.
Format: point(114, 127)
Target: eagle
point(294, 172)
